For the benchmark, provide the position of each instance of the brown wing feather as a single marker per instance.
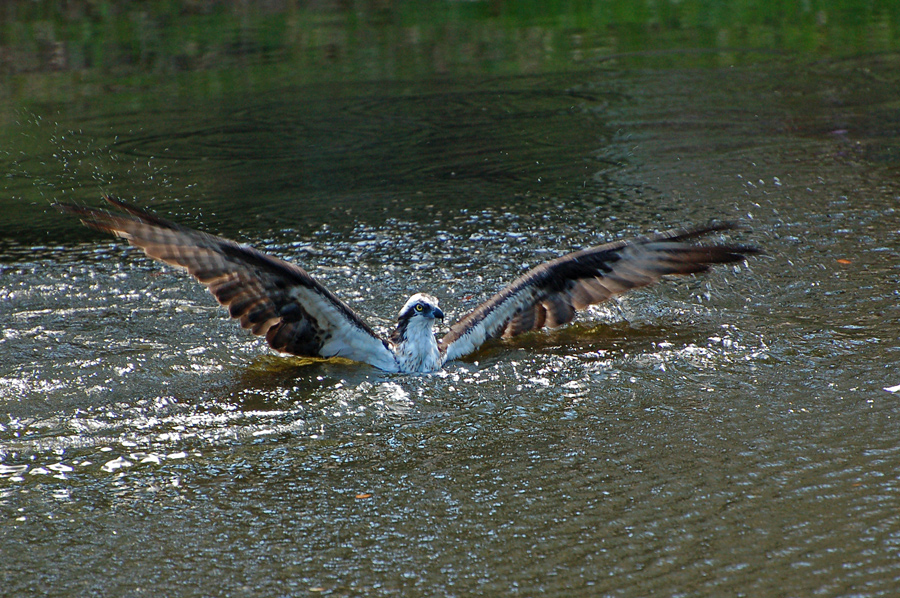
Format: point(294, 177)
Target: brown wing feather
point(270, 297)
point(550, 294)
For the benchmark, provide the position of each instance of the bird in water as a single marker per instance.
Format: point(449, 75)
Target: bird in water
point(297, 315)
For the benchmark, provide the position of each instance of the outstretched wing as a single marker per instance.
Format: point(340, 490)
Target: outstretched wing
point(549, 294)
point(269, 296)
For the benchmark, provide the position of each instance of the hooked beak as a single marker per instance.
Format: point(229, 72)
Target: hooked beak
point(437, 313)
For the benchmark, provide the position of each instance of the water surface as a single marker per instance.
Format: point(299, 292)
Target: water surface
point(723, 435)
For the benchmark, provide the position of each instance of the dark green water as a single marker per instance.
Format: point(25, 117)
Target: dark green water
point(726, 435)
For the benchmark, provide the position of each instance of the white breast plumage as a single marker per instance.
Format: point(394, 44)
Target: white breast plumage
point(418, 351)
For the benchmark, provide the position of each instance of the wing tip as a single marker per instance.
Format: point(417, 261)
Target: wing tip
point(107, 221)
point(692, 232)
point(100, 220)
point(749, 250)
point(740, 252)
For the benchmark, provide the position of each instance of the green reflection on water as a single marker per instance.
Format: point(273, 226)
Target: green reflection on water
point(79, 77)
point(376, 40)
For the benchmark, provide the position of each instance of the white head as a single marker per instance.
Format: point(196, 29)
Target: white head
point(423, 306)
point(415, 346)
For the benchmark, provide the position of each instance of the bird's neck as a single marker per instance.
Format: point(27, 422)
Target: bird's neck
point(416, 347)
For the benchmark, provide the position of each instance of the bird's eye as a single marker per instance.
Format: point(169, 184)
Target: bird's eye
point(419, 307)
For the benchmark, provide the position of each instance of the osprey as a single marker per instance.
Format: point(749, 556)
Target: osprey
point(299, 316)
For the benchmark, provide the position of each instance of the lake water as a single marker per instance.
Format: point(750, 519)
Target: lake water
point(732, 434)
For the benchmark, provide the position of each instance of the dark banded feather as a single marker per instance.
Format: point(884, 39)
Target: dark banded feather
point(550, 294)
point(270, 297)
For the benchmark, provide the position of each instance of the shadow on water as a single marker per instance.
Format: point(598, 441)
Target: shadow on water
point(361, 152)
point(383, 150)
